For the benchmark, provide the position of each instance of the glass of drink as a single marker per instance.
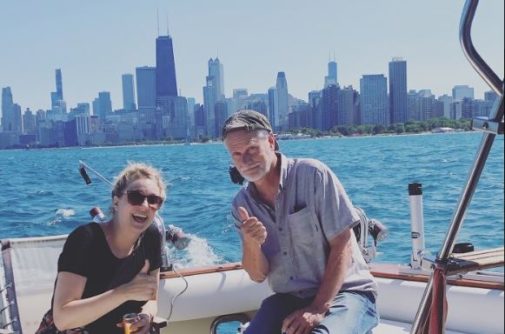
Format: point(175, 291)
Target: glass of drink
point(128, 320)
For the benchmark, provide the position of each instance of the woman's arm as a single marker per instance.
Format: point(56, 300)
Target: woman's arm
point(70, 311)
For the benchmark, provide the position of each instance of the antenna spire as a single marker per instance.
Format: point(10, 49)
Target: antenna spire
point(158, 21)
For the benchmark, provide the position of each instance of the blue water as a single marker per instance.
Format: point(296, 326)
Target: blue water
point(42, 193)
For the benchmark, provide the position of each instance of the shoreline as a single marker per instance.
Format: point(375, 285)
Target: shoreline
point(210, 142)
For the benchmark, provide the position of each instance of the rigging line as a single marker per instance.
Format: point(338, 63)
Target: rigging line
point(172, 302)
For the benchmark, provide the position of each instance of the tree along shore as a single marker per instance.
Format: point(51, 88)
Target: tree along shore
point(397, 128)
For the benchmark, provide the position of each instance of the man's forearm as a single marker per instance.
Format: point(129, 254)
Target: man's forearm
point(254, 262)
point(336, 270)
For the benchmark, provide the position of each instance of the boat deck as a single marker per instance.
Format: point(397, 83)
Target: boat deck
point(396, 327)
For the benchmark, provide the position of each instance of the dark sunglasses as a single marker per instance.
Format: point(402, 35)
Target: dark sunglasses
point(135, 197)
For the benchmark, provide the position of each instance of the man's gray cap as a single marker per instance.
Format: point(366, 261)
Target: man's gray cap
point(249, 120)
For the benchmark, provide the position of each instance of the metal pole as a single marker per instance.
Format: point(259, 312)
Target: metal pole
point(417, 224)
point(473, 177)
point(471, 54)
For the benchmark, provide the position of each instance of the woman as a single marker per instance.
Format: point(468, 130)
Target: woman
point(108, 270)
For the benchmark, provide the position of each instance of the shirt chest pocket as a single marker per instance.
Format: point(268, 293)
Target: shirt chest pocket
point(303, 226)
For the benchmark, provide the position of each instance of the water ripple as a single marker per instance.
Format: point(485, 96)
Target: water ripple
point(45, 195)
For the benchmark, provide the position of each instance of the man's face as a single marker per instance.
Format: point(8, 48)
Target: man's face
point(252, 152)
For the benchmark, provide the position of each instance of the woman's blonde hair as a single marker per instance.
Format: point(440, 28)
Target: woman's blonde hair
point(134, 171)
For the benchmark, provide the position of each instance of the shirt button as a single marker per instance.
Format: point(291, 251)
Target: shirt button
point(291, 277)
point(280, 228)
point(285, 253)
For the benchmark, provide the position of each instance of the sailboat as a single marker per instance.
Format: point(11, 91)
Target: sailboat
point(207, 299)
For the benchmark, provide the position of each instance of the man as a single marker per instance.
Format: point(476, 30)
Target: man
point(295, 221)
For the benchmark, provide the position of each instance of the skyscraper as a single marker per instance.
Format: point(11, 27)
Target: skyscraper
point(57, 101)
point(146, 87)
point(11, 113)
point(459, 92)
point(128, 92)
point(346, 106)
point(216, 73)
point(398, 90)
point(329, 106)
point(59, 84)
point(374, 100)
point(166, 84)
point(209, 102)
point(331, 78)
point(213, 93)
point(273, 112)
point(281, 87)
point(102, 106)
point(7, 103)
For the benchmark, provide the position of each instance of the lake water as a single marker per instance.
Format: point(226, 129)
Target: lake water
point(42, 192)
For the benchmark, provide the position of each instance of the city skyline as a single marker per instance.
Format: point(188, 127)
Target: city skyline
point(93, 57)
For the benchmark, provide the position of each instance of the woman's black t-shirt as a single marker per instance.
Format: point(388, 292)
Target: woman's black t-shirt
point(87, 253)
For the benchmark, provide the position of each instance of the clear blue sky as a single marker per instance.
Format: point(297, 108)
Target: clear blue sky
point(94, 42)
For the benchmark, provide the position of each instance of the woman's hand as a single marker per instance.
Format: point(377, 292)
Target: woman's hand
point(142, 287)
point(142, 324)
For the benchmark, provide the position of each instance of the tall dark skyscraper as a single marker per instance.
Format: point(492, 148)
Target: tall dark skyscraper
point(166, 84)
point(398, 90)
point(11, 112)
point(7, 107)
point(331, 78)
point(57, 102)
point(59, 84)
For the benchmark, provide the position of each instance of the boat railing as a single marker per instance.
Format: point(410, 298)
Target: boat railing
point(433, 299)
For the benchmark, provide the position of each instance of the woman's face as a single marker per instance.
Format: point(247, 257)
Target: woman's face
point(136, 207)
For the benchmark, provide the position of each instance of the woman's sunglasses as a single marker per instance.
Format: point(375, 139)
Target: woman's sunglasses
point(135, 197)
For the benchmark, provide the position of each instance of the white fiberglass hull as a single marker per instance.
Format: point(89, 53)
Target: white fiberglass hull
point(220, 290)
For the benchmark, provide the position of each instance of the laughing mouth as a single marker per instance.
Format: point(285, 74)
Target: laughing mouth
point(139, 218)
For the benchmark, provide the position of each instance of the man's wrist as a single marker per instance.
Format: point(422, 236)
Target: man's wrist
point(320, 308)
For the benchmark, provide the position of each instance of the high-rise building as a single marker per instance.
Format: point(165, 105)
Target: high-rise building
point(446, 101)
point(316, 118)
point(329, 107)
point(426, 105)
point(221, 112)
point(166, 84)
point(57, 101)
point(59, 84)
point(346, 106)
point(213, 93)
point(29, 123)
point(146, 87)
point(102, 106)
point(459, 92)
point(11, 113)
point(281, 87)
point(216, 73)
point(398, 90)
point(273, 107)
point(374, 100)
point(172, 117)
point(128, 92)
point(331, 78)
point(7, 103)
point(490, 96)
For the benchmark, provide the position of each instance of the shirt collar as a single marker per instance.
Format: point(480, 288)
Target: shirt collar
point(284, 170)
